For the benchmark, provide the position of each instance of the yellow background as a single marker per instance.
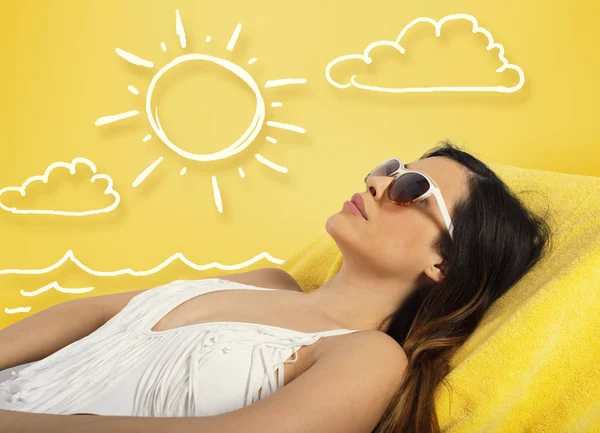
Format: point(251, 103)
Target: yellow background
point(60, 73)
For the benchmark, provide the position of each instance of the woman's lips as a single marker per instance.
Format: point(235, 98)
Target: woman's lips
point(352, 208)
point(360, 204)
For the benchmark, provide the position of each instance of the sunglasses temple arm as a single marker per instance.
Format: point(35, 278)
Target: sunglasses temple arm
point(444, 210)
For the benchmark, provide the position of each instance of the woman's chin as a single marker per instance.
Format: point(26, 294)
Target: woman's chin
point(337, 224)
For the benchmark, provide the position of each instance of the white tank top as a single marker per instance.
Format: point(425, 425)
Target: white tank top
point(125, 369)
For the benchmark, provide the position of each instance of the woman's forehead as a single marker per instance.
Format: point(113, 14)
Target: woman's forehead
point(446, 173)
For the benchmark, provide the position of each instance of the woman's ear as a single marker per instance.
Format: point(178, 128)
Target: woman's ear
point(443, 266)
point(437, 271)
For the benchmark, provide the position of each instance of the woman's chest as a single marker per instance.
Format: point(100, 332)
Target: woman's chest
point(256, 308)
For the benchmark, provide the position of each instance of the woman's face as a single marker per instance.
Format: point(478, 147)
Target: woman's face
point(396, 240)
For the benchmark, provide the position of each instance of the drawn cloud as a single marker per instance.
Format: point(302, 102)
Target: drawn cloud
point(44, 178)
point(396, 44)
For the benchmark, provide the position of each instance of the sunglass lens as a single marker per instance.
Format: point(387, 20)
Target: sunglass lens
point(408, 187)
point(384, 169)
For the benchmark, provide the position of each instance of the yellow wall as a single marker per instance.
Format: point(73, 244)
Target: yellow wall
point(60, 73)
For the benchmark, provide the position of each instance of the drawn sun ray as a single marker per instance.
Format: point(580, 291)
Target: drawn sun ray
point(286, 126)
point(144, 174)
point(217, 194)
point(115, 117)
point(179, 29)
point(234, 37)
point(133, 59)
point(268, 163)
point(285, 82)
point(248, 136)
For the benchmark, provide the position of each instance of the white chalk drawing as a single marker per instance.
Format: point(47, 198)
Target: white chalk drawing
point(132, 58)
point(17, 310)
point(113, 118)
point(438, 26)
point(285, 82)
point(286, 126)
point(144, 174)
point(179, 29)
point(69, 255)
point(242, 142)
point(44, 178)
point(270, 164)
point(217, 194)
point(234, 37)
point(53, 285)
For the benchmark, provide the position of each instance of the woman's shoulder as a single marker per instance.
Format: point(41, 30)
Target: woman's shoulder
point(365, 344)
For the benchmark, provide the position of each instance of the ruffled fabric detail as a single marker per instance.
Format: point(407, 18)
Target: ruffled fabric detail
point(169, 386)
point(66, 380)
point(73, 376)
point(173, 366)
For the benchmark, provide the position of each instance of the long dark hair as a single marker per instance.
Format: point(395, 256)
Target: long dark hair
point(497, 240)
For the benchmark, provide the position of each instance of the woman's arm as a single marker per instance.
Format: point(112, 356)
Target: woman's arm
point(345, 391)
point(28, 422)
point(48, 331)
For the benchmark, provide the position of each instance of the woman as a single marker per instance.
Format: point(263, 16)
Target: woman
point(425, 255)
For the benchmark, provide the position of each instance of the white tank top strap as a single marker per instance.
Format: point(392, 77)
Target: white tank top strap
point(337, 332)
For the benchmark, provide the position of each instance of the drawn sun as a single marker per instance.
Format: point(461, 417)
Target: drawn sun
point(241, 143)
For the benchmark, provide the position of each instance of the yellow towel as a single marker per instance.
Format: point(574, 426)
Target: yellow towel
point(533, 364)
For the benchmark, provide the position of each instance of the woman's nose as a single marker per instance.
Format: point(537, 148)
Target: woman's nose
point(378, 185)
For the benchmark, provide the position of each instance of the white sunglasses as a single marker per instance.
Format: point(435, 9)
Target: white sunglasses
point(411, 186)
